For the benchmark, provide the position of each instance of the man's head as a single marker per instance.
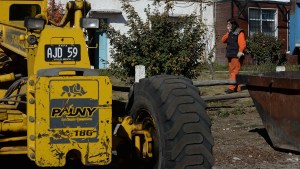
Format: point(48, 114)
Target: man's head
point(232, 24)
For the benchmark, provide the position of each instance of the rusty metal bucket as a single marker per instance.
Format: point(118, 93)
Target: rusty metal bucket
point(276, 96)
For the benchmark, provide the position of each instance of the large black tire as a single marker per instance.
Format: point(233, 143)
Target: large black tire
point(171, 108)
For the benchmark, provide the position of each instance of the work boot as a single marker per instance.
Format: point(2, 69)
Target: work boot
point(228, 91)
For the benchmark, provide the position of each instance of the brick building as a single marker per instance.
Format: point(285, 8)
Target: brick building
point(270, 16)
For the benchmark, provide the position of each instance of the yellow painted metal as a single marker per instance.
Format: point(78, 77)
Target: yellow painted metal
point(135, 132)
point(137, 142)
point(13, 150)
point(67, 73)
point(16, 125)
point(11, 33)
point(65, 112)
point(65, 36)
point(13, 139)
point(5, 5)
point(146, 149)
point(70, 113)
point(3, 115)
point(7, 77)
point(2, 92)
point(78, 13)
point(15, 121)
point(128, 126)
point(14, 38)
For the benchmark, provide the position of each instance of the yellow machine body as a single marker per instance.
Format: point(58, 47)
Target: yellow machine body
point(67, 114)
point(56, 108)
point(61, 106)
point(51, 102)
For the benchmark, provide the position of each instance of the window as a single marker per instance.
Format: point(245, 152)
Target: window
point(263, 20)
point(20, 11)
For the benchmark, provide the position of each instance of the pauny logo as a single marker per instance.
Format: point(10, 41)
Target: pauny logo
point(73, 112)
point(74, 89)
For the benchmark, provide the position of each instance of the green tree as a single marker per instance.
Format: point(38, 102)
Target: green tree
point(162, 44)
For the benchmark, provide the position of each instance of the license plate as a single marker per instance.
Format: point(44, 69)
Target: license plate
point(62, 52)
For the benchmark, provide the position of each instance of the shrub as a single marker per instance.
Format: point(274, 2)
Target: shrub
point(264, 49)
point(163, 45)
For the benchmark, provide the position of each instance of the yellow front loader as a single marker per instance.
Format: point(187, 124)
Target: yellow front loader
point(54, 107)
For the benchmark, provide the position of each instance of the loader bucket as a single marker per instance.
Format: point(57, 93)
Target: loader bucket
point(276, 96)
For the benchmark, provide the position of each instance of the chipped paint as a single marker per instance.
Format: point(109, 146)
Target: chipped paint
point(75, 122)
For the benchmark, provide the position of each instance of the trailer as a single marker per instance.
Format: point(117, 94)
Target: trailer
point(276, 96)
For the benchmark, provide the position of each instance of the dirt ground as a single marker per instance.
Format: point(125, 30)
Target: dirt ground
point(241, 141)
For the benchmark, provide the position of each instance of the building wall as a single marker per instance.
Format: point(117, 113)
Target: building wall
point(214, 16)
point(223, 12)
point(116, 17)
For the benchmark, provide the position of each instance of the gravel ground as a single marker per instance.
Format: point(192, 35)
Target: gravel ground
point(241, 142)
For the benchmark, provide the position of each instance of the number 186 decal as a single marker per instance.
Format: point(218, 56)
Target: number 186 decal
point(76, 133)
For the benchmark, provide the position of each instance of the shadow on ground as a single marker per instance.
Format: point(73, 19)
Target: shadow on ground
point(263, 132)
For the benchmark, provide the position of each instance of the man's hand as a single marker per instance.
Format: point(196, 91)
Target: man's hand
point(240, 54)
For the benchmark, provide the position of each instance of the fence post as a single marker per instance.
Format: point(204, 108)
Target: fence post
point(139, 72)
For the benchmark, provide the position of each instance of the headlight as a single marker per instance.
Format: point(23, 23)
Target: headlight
point(89, 23)
point(34, 23)
point(31, 39)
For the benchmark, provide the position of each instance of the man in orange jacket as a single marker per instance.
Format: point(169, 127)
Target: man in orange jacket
point(236, 44)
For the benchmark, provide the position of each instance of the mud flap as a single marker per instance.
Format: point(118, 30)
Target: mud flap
point(69, 114)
